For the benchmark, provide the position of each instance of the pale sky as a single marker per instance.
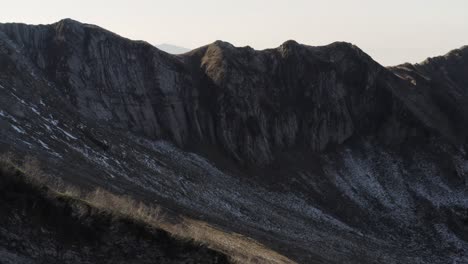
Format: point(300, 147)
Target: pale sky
point(391, 31)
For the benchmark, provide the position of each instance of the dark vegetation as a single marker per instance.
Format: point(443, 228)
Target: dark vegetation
point(45, 226)
point(44, 220)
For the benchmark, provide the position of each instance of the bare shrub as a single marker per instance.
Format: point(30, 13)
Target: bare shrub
point(34, 173)
point(241, 249)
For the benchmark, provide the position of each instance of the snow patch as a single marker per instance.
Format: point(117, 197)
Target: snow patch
point(35, 110)
point(19, 99)
point(27, 143)
point(7, 116)
point(18, 129)
point(44, 145)
point(67, 134)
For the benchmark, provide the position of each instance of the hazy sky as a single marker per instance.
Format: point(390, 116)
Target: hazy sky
point(391, 31)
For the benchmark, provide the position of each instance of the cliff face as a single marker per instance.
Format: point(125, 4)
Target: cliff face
point(268, 101)
point(129, 84)
point(298, 146)
point(249, 103)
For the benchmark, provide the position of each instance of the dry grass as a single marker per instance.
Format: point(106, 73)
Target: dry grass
point(239, 248)
point(125, 205)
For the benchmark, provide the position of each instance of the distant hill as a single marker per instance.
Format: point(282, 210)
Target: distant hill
point(173, 49)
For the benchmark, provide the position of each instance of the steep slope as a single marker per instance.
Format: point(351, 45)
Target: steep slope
point(319, 152)
point(41, 226)
point(444, 80)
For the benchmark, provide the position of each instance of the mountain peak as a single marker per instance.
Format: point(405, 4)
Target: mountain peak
point(222, 44)
point(68, 21)
point(75, 24)
point(290, 43)
point(289, 47)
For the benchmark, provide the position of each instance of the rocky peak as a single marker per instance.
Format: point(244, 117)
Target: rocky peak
point(67, 28)
point(222, 44)
point(289, 44)
point(71, 24)
point(289, 48)
point(461, 52)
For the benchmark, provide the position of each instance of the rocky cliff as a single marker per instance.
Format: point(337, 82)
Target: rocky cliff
point(249, 103)
point(319, 152)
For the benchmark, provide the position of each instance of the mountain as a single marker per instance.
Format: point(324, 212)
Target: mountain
point(172, 49)
point(319, 153)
